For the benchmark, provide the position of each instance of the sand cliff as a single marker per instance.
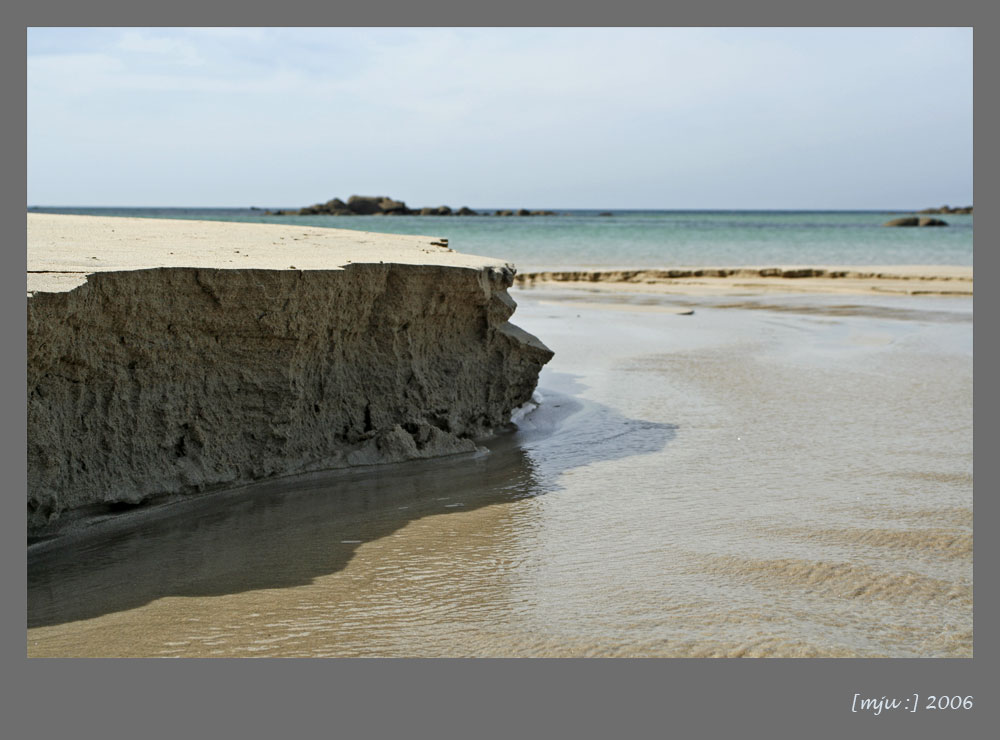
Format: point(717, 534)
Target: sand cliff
point(169, 357)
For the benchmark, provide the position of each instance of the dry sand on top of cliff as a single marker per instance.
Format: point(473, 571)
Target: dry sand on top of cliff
point(173, 357)
point(942, 280)
point(64, 249)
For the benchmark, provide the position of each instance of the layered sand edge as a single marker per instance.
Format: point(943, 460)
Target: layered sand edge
point(939, 280)
point(169, 357)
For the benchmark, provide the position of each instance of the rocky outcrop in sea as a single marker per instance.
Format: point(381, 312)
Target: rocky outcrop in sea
point(381, 205)
point(948, 209)
point(916, 221)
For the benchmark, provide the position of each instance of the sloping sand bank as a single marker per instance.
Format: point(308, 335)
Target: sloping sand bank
point(168, 357)
point(902, 279)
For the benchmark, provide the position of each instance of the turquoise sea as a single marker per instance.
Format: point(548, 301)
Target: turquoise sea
point(585, 239)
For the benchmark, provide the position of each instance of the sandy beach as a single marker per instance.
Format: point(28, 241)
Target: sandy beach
point(64, 249)
point(713, 468)
point(557, 341)
point(726, 483)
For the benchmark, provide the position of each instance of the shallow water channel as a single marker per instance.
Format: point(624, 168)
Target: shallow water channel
point(772, 476)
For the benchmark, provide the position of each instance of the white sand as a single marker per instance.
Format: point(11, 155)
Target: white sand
point(64, 249)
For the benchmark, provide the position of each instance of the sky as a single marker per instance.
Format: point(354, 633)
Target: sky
point(501, 117)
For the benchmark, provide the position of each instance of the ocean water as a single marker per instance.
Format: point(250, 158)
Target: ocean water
point(779, 476)
point(583, 239)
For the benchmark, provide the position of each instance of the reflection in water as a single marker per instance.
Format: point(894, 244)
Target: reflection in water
point(286, 533)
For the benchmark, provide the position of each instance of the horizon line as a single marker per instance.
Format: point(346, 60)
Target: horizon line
point(489, 208)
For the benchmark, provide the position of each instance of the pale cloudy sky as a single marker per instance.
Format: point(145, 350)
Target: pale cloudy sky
point(600, 118)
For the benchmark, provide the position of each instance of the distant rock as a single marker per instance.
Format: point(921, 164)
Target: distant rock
point(947, 209)
point(439, 211)
point(524, 212)
point(368, 205)
point(915, 221)
point(606, 213)
point(381, 205)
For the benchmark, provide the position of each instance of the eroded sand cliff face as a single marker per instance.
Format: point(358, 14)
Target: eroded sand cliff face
point(169, 380)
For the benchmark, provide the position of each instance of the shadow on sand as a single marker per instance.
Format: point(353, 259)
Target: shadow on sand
point(285, 533)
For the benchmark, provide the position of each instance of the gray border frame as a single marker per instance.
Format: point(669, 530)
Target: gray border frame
point(273, 698)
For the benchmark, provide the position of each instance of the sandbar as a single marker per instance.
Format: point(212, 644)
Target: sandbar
point(940, 280)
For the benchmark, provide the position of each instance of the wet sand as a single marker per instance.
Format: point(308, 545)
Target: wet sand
point(768, 475)
point(943, 280)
